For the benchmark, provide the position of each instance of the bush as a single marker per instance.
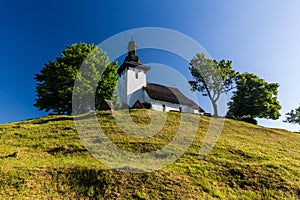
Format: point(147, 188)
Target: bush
point(147, 105)
point(249, 120)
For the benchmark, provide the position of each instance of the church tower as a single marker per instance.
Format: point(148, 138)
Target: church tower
point(132, 77)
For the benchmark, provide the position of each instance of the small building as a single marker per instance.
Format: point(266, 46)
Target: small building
point(134, 88)
point(107, 105)
point(138, 105)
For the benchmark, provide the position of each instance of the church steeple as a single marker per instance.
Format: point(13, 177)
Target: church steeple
point(131, 60)
point(132, 76)
point(132, 51)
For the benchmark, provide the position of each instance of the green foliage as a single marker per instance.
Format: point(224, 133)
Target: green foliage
point(293, 116)
point(107, 85)
point(211, 78)
point(254, 98)
point(56, 80)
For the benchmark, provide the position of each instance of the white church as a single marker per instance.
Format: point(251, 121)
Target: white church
point(134, 88)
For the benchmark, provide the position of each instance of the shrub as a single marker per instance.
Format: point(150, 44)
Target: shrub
point(147, 105)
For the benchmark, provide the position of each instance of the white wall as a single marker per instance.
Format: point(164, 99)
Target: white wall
point(133, 97)
point(123, 88)
point(131, 83)
point(158, 105)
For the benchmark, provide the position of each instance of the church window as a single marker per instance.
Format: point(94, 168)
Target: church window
point(136, 75)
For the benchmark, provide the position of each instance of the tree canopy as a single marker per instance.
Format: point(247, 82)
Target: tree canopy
point(254, 98)
point(211, 78)
point(293, 116)
point(55, 81)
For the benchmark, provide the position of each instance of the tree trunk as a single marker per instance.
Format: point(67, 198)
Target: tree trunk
point(215, 108)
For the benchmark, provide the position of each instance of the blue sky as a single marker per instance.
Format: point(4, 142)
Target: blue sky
point(258, 36)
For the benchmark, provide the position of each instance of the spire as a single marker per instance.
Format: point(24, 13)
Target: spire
point(132, 47)
point(131, 60)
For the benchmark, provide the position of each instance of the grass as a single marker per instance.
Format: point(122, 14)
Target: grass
point(45, 159)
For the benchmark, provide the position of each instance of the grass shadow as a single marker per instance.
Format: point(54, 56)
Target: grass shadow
point(85, 182)
point(66, 150)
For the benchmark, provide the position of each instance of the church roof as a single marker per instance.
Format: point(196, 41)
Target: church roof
point(127, 64)
point(169, 94)
point(138, 105)
point(107, 105)
point(132, 64)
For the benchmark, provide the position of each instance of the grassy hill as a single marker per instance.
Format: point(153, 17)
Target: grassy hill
point(45, 159)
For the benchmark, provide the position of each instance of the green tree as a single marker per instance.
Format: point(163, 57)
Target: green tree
point(254, 98)
point(212, 78)
point(293, 116)
point(55, 81)
point(107, 86)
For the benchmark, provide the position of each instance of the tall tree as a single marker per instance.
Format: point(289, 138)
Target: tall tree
point(254, 98)
point(56, 79)
point(293, 116)
point(212, 78)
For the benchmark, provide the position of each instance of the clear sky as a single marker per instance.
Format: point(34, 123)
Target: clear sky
point(262, 37)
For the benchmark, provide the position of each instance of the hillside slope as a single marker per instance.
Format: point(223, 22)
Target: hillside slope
point(45, 159)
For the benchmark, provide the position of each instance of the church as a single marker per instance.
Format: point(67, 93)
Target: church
point(134, 90)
